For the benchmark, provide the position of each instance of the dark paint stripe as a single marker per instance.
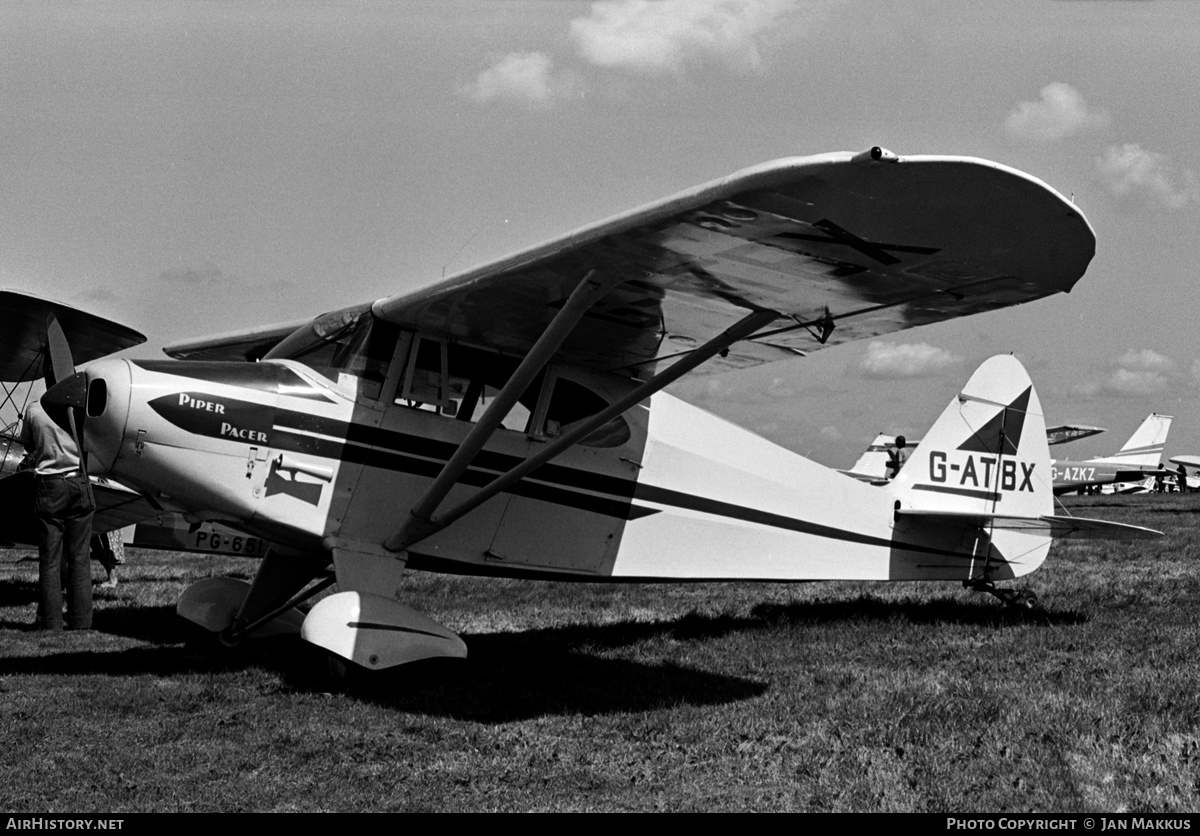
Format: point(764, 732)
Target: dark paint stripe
point(988, 495)
point(395, 628)
point(394, 441)
point(407, 453)
point(677, 499)
point(615, 508)
point(555, 493)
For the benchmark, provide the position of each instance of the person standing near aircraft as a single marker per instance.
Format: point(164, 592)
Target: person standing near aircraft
point(109, 549)
point(897, 457)
point(63, 507)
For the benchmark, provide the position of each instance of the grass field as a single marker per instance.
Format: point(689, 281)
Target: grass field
point(723, 697)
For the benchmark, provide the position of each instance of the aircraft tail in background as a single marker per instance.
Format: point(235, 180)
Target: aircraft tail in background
point(881, 460)
point(1145, 446)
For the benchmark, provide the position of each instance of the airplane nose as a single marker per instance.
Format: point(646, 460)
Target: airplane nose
point(100, 394)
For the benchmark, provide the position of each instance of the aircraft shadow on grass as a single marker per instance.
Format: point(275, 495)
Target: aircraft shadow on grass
point(518, 675)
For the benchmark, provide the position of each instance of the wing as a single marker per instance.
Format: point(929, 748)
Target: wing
point(1187, 461)
point(23, 325)
point(250, 344)
point(843, 246)
point(1070, 432)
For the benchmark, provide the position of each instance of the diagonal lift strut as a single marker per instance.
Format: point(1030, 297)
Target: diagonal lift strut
point(418, 527)
point(589, 291)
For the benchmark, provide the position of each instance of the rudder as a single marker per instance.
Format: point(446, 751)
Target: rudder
point(986, 459)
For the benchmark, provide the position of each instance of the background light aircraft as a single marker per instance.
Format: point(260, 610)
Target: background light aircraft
point(510, 420)
point(1140, 458)
point(1065, 433)
point(1192, 480)
point(878, 463)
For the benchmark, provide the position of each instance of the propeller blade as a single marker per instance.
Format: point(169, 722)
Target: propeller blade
point(61, 364)
point(67, 396)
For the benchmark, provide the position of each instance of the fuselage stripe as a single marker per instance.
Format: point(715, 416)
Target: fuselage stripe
point(550, 483)
point(990, 496)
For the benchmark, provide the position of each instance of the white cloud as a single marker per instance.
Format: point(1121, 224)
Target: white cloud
point(664, 36)
point(1131, 171)
point(527, 77)
point(1130, 383)
point(831, 432)
point(1060, 113)
point(1145, 360)
point(884, 360)
point(1137, 373)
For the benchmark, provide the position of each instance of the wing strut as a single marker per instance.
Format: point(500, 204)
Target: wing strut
point(414, 530)
point(589, 291)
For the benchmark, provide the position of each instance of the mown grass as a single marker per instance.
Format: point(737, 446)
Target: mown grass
point(822, 697)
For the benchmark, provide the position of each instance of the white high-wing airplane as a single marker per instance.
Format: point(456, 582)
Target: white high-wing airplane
point(510, 421)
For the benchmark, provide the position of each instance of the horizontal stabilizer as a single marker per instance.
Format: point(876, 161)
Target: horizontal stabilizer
point(1063, 527)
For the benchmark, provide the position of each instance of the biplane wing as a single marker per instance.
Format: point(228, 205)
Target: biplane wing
point(843, 246)
point(23, 323)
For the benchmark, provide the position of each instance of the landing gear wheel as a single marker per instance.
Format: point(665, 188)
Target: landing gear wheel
point(1019, 598)
point(1024, 599)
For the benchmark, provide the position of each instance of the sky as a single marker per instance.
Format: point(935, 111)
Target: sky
point(194, 168)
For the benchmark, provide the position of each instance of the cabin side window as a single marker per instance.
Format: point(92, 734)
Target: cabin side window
point(460, 381)
point(568, 399)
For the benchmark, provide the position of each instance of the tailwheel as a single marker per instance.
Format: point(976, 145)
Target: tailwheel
point(1017, 598)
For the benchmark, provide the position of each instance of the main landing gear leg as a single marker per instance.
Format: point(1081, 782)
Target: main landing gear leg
point(1020, 598)
point(234, 609)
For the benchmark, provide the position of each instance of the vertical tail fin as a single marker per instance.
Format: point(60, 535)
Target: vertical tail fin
point(986, 458)
point(987, 453)
point(1145, 446)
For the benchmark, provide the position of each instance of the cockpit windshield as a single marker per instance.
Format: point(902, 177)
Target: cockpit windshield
point(352, 341)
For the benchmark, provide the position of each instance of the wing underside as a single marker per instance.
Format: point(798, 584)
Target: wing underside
point(841, 246)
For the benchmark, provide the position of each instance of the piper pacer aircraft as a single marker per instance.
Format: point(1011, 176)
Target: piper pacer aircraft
point(1139, 459)
point(510, 420)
